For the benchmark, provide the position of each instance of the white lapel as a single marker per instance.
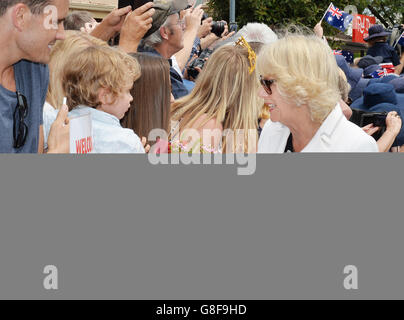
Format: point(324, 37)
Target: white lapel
point(322, 140)
point(279, 133)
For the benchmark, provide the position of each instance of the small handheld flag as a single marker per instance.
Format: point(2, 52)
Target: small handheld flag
point(337, 18)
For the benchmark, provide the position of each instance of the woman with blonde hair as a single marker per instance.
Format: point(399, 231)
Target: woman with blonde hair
point(299, 78)
point(222, 111)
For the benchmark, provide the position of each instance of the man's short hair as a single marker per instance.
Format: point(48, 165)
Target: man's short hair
point(36, 6)
point(77, 19)
point(155, 38)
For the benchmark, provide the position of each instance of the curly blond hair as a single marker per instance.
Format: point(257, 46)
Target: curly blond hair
point(62, 51)
point(94, 68)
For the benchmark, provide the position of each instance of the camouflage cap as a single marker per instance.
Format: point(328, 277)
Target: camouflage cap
point(164, 9)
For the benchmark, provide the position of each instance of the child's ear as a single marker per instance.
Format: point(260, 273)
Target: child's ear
point(105, 96)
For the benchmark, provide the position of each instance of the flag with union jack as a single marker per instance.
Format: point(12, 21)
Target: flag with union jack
point(337, 18)
point(384, 70)
point(378, 74)
point(389, 67)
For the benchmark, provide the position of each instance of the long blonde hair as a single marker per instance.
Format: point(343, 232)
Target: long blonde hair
point(226, 91)
point(61, 54)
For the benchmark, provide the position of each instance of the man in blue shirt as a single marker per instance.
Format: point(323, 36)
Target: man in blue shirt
point(166, 38)
point(28, 29)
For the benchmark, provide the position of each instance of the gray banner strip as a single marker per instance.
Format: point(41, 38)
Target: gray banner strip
point(118, 227)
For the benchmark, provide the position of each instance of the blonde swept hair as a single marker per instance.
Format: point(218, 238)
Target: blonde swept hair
point(305, 71)
point(225, 90)
point(94, 68)
point(62, 51)
point(343, 85)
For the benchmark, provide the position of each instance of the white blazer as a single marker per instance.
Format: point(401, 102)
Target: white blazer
point(336, 134)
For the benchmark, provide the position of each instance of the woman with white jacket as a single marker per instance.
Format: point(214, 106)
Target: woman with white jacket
point(299, 78)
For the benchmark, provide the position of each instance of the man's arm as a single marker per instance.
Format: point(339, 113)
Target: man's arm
point(192, 22)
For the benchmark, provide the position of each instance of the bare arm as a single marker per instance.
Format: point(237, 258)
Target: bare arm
point(393, 122)
point(192, 22)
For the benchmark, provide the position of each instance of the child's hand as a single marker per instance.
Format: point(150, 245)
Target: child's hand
point(145, 145)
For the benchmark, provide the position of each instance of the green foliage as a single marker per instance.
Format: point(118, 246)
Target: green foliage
point(277, 13)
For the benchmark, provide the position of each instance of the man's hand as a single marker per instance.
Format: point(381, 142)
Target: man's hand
point(225, 35)
point(89, 27)
point(205, 28)
point(393, 122)
point(59, 134)
point(193, 18)
point(370, 129)
point(111, 24)
point(135, 26)
point(318, 30)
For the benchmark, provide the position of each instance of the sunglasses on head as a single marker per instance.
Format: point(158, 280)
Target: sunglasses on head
point(267, 84)
point(20, 129)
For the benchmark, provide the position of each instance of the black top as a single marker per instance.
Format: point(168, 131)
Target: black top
point(289, 144)
point(387, 52)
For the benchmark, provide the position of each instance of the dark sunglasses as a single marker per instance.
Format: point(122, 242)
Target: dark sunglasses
point(267, 84)
point(20, 129)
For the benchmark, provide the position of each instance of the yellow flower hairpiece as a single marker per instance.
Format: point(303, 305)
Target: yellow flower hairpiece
point(252, 57)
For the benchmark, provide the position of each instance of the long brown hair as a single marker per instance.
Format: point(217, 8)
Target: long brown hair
point(151, 93)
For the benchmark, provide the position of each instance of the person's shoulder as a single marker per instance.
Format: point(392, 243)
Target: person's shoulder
point(359, 140)
point(211, 124)
point(37, 69)
point(32, 76)
point(130, 141)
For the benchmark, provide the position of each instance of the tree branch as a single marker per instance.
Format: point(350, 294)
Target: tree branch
point(377, 15)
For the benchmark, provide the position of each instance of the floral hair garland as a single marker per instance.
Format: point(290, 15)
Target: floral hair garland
point(252, 57)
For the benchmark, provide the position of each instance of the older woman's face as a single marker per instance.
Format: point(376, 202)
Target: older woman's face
point(281, 110)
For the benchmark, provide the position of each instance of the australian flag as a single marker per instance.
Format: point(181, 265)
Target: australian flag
point(337, 18)
point(379, 74)
point(348, 55)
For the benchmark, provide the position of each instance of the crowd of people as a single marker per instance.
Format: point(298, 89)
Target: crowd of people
point(166, 78)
